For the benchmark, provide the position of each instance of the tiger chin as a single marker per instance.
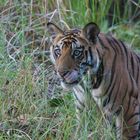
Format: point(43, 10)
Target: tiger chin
point(113, 68)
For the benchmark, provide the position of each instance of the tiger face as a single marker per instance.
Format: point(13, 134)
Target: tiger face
point(73, 52)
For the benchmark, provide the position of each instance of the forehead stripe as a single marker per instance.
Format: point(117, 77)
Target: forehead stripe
point(69, 38)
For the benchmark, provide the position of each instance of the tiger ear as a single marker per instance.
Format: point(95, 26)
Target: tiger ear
point(53, 29)
point(91, 31)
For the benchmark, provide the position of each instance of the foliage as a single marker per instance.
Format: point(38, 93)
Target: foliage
point(25, 66)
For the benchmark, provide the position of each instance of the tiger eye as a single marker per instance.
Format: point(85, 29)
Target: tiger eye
point(57, 52)
point(77, 53)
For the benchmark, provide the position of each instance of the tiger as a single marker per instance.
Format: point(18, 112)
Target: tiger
point(113, 68)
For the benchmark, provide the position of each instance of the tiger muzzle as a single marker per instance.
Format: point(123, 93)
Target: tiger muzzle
point(68, 77)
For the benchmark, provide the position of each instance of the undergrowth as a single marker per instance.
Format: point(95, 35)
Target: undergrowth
point(25, 66)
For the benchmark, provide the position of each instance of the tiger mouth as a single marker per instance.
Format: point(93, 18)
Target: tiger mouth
point(70, 78)
point(71, 83)
point(66, 84)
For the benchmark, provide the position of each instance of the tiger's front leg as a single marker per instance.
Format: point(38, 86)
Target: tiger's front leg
point(119, 126)
point(79, 104)
point(79, 99)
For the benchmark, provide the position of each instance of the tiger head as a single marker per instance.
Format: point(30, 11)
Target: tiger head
point(74, 52)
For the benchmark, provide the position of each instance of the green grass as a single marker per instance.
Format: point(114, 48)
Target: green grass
point(25, 68)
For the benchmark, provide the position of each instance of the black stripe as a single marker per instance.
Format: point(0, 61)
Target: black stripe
point(118, 111)
point(79, 109)
point(81, 57)
point(86, 56)
point(132, 64)
point(138, 56)
point(82, 104)
point(81, 47)
point(74, 40)
point(113, 44)
point(126, 91)
point(118, 129)
point(118, 44)
point(128, 105)
point(117, 92)
point(126, 53)
point(130, 94)
point(135, 123)
point(135, 114)
point(69, 37)
point(109, 92)
point(139, 125)
point(118, 132)
point(134, 136)
point(99, 76)
point(102, 44)
point(137, 77)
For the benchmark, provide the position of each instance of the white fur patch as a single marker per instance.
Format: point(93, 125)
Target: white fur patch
point(95, 68)
point(96, 94)
point(51, 55)
point(79, 94)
